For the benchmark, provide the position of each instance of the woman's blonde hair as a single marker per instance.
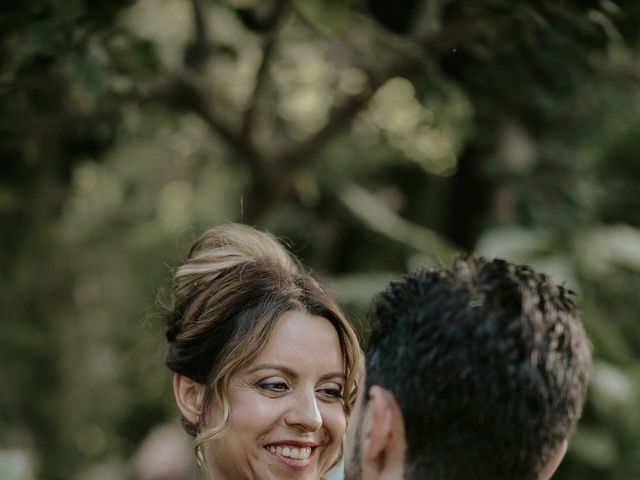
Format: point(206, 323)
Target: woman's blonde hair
point(228, 296)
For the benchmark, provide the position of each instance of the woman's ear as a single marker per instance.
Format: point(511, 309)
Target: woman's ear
point(189, 397)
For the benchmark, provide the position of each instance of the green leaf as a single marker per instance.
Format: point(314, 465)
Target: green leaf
point(68, 11)
point(90, 72)
point(45, 38)
point(329, 16)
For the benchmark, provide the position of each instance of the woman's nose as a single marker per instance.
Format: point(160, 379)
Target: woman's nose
point(304, 413)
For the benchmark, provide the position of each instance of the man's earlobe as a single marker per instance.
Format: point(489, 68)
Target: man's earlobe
point(383, 432)
point(189, 397)
point(555, 461)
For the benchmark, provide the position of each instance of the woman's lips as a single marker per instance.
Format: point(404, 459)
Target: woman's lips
point(293, 453)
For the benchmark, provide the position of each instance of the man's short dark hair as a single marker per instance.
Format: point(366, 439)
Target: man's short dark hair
point(489, 364)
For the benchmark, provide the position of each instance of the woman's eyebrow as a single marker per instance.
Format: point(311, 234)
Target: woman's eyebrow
point(274, 366)
point(288, 371)
point(333, 375)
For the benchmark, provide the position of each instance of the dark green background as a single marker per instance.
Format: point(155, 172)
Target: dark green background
point(373, 136)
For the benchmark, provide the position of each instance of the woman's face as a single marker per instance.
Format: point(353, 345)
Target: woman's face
point(287, 413)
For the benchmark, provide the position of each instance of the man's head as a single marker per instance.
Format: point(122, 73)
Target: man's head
point(478, 371)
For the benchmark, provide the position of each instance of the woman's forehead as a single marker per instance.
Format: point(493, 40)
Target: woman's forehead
point(299, 338)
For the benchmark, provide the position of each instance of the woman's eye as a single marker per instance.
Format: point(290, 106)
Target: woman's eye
point(332, 392)
point(271, 386)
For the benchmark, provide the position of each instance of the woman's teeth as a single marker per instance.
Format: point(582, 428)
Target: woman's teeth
point(291, 452)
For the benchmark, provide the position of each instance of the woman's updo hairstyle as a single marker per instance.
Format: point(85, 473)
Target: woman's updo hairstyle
point(228, 296)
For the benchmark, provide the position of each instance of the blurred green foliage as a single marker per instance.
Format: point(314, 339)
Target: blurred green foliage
point(373, 136)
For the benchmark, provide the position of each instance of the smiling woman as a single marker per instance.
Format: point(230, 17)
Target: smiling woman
point(265, 363)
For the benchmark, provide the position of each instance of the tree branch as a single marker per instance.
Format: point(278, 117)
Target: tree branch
point(456, 34)
point(198, 99)
point(339, 120)
point(380, 218)
point(198, 93)
point(342, 116)
point(202, 35)
point(268, 49)
point(405, 64)
point(201, 48)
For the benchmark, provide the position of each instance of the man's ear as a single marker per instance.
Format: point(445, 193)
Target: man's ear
point(383, 435)
point(555, 461)
point(189, 397)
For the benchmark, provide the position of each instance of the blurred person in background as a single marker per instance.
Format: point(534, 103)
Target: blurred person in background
point(474, 372)
point(265, 363)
